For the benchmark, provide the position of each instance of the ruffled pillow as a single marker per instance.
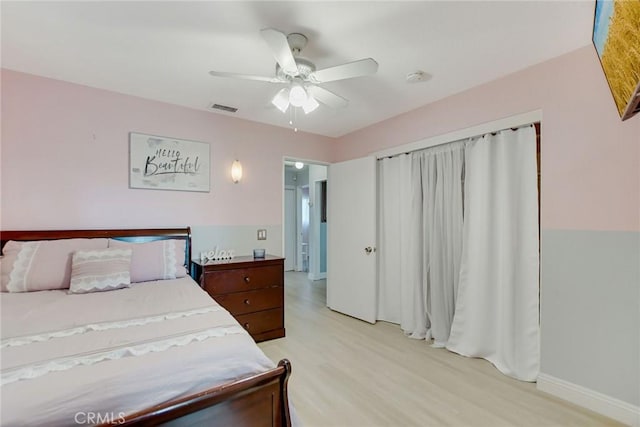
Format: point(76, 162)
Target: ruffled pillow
point(100, 270)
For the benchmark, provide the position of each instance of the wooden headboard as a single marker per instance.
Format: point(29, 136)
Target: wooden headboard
point(138, 235)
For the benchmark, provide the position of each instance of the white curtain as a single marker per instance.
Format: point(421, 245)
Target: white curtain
point(394, 238)
point(458, 248)
point(420, 237)
point(496, 313)
point(440, 170)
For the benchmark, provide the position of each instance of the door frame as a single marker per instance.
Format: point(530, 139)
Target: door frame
point(284, 225)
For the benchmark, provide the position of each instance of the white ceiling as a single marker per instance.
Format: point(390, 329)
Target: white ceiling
point(164, 50)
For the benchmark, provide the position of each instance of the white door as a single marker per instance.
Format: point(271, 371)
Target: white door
point(351, 239)
point(289, 228)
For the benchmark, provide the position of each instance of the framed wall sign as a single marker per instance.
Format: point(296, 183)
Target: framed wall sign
point(162, 163)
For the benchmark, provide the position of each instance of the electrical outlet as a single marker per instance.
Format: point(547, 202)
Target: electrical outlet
point(262, 234)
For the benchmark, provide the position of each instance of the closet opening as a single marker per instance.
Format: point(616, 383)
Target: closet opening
point(458, 240)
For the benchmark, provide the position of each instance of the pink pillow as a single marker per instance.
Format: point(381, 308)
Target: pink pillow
point(41, 265)
point(100, 270)
point(157, 260)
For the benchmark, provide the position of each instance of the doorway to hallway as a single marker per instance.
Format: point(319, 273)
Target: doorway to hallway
point(305, 226)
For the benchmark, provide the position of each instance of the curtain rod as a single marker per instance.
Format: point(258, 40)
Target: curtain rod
point(459, 140)
point(516, 121)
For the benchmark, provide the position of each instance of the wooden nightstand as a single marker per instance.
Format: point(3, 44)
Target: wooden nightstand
point(252, 290)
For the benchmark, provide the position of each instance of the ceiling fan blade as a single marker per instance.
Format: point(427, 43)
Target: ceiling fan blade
point(246, 77)
point(363, 67)
point(281, 50)
point(327, 97)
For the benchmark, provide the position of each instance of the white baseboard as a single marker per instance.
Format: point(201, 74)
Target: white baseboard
point(601, 403)
point(319, 276)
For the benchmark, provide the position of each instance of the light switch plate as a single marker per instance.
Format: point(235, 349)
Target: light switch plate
point(262, 234)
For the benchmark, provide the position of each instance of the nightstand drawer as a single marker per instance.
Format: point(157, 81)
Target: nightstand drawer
point(262, 321)
point(242, 279)
point(250, 301)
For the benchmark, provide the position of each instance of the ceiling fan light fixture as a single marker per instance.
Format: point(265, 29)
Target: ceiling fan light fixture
point(310, 105)
point(297, 95)
point(281, 100)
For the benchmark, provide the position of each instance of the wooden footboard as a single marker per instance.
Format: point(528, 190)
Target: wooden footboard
point(258, 400)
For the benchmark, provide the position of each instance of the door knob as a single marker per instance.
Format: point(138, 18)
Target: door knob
point(369, 249)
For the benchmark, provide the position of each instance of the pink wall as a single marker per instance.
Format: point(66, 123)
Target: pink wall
point(590, 158)
point(50, 157)
point(65, 160)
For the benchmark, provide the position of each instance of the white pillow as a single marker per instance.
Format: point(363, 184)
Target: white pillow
point(157, 260)
point(100, 270)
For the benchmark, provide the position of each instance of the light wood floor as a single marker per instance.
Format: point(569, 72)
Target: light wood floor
point(350, 373)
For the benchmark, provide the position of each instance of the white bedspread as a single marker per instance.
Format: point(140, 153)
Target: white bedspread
point(65, 357)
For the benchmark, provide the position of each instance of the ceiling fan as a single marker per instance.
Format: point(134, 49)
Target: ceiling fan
point(300, 74)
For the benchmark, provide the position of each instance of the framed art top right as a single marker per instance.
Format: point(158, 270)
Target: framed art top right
point(616, 38)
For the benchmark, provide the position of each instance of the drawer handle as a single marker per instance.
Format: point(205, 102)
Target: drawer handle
point(246, 326)
point(247, 279)
point(247, 302)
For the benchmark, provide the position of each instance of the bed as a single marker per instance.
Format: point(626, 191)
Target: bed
point(157, 352)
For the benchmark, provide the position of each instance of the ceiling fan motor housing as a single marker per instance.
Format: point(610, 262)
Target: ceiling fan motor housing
point(305, 67)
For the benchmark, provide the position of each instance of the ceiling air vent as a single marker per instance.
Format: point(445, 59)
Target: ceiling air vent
point(224, 108)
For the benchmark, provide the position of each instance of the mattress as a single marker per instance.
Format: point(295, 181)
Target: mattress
point(67, 359)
